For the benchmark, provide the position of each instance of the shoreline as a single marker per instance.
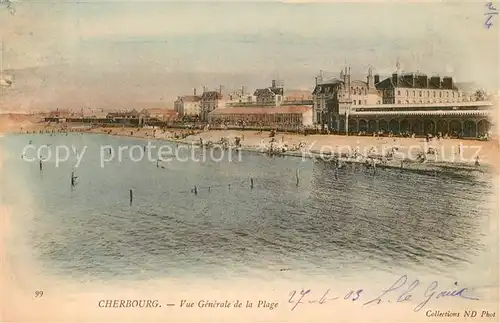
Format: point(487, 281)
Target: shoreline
point(256, 142)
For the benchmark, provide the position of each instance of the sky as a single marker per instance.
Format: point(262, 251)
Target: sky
point(109, 54)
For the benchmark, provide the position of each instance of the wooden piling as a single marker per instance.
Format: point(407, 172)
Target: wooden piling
point(297, 177)
point(131, 196)
point(251, 183)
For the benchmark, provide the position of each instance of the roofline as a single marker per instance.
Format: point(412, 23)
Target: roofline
point(429, 105)
point(438, 112)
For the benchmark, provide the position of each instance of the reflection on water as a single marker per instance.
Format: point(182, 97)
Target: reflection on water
point(335, 221)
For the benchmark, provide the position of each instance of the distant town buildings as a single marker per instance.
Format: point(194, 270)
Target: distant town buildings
point(401, 104)
point(132, 117)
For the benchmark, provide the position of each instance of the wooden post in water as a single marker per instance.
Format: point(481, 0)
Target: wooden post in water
point(297, 177)
point(131, 196)
point(41, 167)
point(195, 190)
point(251, 183)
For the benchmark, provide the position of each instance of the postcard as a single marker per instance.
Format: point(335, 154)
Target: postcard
point(249, 161)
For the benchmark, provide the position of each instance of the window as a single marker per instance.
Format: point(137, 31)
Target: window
point(413, 93)
point(447, 94)
point(399, 92)
point(453, 94)
point(399, 101)
point(365, 102)
point(434, 93)
point(359, 102)
point(406, 92)
point(420, 93)
point(428, 94)
point(354, 102)
point(440, 94)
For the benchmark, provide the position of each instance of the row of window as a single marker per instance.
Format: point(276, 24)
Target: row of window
point(427, 93)
point(359, 91)
point(426, 101)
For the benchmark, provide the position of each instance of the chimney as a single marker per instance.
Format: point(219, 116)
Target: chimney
point(220, 89)
point(273, 83)
point(349, 81)
point(377, 78)
point(194, 91)
point(435, 81)
point(395, 78)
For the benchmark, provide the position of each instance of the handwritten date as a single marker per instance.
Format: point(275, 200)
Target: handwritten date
point(402, 290)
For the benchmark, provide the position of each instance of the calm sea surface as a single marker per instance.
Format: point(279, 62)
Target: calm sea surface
point(332, 222)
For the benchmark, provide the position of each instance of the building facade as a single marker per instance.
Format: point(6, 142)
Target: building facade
point(413, 88)
point(188, 105)
point(410, 103)
point(210, 101)
point(283, 117)
point(270, 96)
point(239, 99)
point(333, 98)
point(162, 115)
point(460, 119)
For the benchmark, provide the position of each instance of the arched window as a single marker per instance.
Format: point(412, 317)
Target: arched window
point(406, 92)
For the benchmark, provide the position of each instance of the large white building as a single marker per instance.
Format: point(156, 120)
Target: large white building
point(188, 105)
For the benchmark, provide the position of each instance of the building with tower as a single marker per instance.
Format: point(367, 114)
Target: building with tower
point(333, 98)
point(210, 100)
point(404, 103)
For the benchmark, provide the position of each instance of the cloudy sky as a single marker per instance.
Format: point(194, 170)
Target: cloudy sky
point(114, 53)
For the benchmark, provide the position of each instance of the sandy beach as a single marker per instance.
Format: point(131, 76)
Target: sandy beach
point(449, 151)
point(452, 152)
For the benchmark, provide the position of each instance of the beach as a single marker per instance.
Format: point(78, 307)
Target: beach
point(449, 152)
